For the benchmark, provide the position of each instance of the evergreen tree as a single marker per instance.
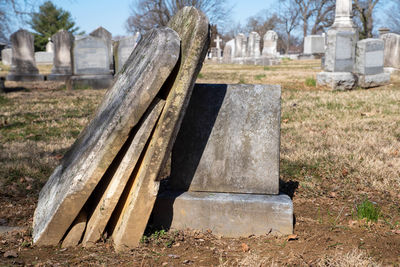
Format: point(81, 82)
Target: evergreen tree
point(48, 21)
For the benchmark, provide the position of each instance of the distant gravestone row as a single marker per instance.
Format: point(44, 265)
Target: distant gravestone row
point(84, 60)
point(247, 50)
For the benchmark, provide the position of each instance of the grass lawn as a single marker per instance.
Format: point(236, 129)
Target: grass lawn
point(340, 163)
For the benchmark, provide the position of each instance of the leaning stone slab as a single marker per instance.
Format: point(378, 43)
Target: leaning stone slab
point(113, 190)
point(337, 80)
point(229, 140)
point(75, 233)
point(81, 169)
point(193, 28)
point(229, 215)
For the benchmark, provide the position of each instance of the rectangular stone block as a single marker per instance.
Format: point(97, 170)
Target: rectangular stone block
point(340, 52)
point(229, 140)
point(6, 56)
point(392, 50)
point(123, 49)
point(369, 81)
point(314, 44)
point(229, 215)
point(337, 80)
point(44, 58)
point(369, 57)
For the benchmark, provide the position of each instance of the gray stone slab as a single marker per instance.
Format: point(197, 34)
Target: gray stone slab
point(193, 28)
point(123, 49)
point(337, 80)
point(270, 44)
point(229, 140)
point(392, 50)
point(124, 104)
point(369, 81)
point(6, 56)
point(88, 81)
point(62, 64)
point(106, 36)
point(340, 52)
point(369, 57)
point(44, 58)
point(91, 56)
point(314, 44)
point(229, 215)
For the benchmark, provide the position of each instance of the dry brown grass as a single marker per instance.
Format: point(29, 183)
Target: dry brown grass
point(354, 258)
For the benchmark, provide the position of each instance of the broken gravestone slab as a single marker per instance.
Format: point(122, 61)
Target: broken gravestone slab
point(114, 183)
point(73, 181)
point(193, 28)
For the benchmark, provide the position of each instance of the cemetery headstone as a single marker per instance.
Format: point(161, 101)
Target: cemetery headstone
point(100, 143)
point(62, 62)
point(23, 65)
point(270, 44)
point(6, 56)
point(123, 49)
point(240, 45)
point(44, 58)
point(369, 63)
point(229, 51)
point(225, 164)
point(107, 38)
point(253, 47)
point(193, 28)
point(91, 63)
point(218, 46)
point(314, 44)
point(392, 50)
point(50, 46)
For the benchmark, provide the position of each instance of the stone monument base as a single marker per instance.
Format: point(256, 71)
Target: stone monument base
point(337, 80)
point(260, 61)
point(91, 81)
point(391, 70)
point(58, 77)
point(24, 77)
point(229, 215)
point(310, 56)
point(369, 81)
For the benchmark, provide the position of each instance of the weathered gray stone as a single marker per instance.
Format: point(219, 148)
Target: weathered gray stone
point(193, 28)
point(229, 215)
point(113, 184)
point(123, 49)
point(62, 63)
point(375, 80)
point(270, 44)
point(229, 51)
point(218, 47)
point(392, 50)
point(229, 140)
point(6, 56)
point(91, 64)
point(81, 169)
point(340, 52)
point(314, 44)
point(337, 80)
point(74, 235)
point(240, 45)
point(369, 57)
point(102, 33)
point(23, 67)
point(344, 15)
point(50, 46)
point(383, 31)
point(44, 58)
point(253, 46)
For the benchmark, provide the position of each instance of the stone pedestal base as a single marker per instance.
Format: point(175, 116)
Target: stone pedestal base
point(310, 56)
point(337, 80)
point(58, 77)
point(391, 70)
point(229, 215)
point(369, 81)
point(260, 61)
point(91, 81)
point(24, 77)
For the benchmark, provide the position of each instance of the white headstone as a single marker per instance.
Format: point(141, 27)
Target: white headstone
point(218, 46)
point(314, 44)
point(50, 46)
point(270, 44)
point(124, 48)
point(6, 56)
point(239, 45)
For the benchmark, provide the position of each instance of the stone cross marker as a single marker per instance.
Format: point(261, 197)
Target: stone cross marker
point(23, 67)
point(62, 64)
point(218, 45)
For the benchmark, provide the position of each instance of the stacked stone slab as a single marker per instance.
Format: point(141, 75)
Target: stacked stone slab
point(91, 63)
point(62, 62)
point(369, 63)
point(110, 175)
point(123, 49)
point(6, 56)
point(225, 165)
point(23, 65)
point(340, 71)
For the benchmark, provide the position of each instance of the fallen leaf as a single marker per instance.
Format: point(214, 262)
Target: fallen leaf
point(396, 232)
point(245, 247)
point(286, 120)
point(345, 172)
point(187, 262)
point(173, 256)
point(332, 194)
point(352, 223)
point(11, 254)
point(292, 237)
point(164, 264)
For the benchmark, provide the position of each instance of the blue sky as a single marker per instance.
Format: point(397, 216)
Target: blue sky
point(112, 14)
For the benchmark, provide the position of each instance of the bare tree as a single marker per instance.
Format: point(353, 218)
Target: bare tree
point(289, 20)
point(262, 22)
point(147, 14)
point(324, 15)
point(364, 11)
point(393, 19)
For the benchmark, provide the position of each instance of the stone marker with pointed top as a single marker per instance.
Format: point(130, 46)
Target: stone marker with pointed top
point(124, 104)
point(193, 28)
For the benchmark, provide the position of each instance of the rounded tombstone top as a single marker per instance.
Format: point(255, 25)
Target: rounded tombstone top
point(271, 35)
